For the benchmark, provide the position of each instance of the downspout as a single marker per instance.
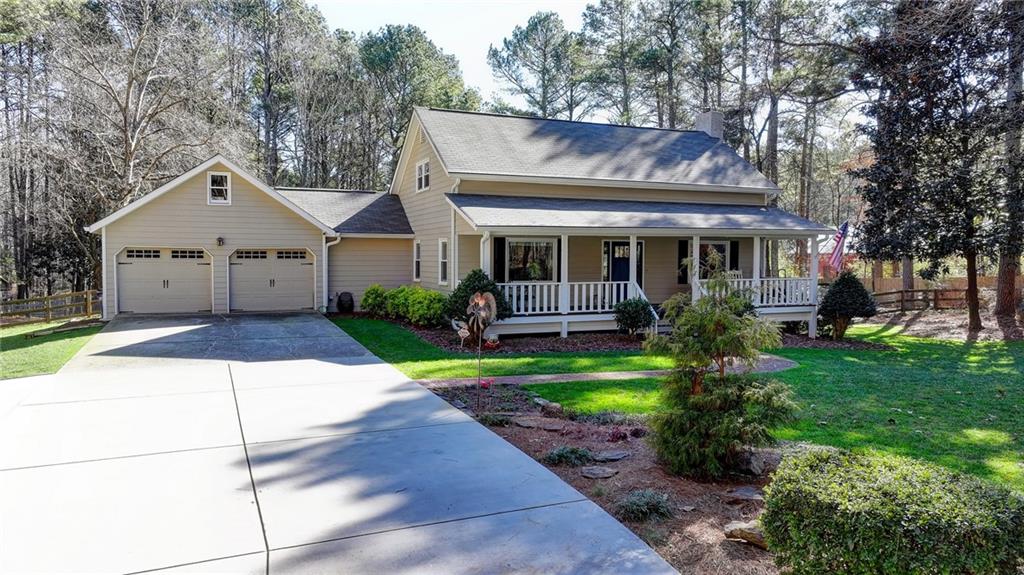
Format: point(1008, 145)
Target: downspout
point(323, 273)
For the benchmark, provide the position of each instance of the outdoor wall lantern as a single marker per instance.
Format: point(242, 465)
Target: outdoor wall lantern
point(220, 241)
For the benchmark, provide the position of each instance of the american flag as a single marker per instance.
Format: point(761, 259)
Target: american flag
point(836, 260)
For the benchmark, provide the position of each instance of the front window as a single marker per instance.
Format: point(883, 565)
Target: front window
point(442, 262)
point(530, 260)
point(422, 176)
point(218, 187)
point(416, 261)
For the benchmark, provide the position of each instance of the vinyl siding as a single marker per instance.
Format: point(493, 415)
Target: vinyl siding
point(608, 193)
point(429, 214)
point(469, 254)
point(356, 263)
point(181, 218)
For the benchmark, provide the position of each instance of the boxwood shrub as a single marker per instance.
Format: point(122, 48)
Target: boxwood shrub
point(373, 300)
point(836, 512)
point(425, 307)
point(633, 315)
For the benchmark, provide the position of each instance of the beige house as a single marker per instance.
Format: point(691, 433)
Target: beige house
point(570, 218)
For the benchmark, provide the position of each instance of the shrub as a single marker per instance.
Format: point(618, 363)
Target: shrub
point(835, 512)
point(494, 420)
point(373, 300)
point(396, 302)
point(425, 307)
point(644, 504)
point(701, 434)
point(568, 455)
point(633, 315)
point(475, 281)
point(845, 299)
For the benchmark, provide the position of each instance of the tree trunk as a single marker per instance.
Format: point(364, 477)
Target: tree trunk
point(908, 272)
point(1010, 250)
point(973, 305)
point(877, 273)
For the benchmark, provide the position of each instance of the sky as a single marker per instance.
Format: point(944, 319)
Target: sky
point(463, 28)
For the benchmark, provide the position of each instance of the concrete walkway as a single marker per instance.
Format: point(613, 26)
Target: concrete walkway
point(766, 364)
point(274, 444)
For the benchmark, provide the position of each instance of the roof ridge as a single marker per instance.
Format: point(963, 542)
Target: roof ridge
point(574, 122)
point(327, 190)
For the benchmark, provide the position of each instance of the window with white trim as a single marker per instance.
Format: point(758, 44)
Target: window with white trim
point(218, 188)
point(416, 260)
point(442, 261)
point(530, 259)
point(423, 176)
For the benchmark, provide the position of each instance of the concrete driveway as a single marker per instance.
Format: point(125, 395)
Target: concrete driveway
point(274, 443)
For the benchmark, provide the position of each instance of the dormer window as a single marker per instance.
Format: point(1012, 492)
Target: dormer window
point(218, 188)
point(423, 176)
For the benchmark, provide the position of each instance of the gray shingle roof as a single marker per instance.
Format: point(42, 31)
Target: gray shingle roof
point(517, 211)
point(516, 146)
point(352, 212)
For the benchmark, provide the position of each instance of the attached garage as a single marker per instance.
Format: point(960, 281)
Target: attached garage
point(272, 279)
point(164, 280)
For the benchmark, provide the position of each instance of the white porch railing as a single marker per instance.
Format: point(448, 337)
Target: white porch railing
point(596, 297)
point(534, 298)
point(772, 292)
point(529, 298)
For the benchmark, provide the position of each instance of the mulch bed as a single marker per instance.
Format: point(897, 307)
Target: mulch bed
point(799, 340)
point(447, 339)
point(952, 324)
point(692, 540)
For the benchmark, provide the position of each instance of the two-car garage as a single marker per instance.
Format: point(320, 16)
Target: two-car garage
point(180, 280)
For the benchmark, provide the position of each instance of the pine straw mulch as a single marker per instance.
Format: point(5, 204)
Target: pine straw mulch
point(800, 340)
point(952, 324)
point(692, 540)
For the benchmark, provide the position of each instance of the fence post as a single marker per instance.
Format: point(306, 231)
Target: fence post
point(935, 304)
point(903, 306)
point(49, 308)
point(88, 303)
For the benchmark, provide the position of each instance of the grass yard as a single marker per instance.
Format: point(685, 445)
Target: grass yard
point(421, 360)
point(958, 404)
point(21, 356)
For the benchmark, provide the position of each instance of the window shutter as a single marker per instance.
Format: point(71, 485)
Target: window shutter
point(682, 254)
point(498, 260)
point(734, 254)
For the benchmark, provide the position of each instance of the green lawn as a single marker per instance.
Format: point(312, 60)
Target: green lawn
point(957, 404)
point(421, 360)
point(21, 356)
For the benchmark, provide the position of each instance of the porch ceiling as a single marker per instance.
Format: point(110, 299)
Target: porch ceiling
point(508, 213)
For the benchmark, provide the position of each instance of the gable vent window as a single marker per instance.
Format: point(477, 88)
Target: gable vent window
point(291, 254)
point(187, 254)
point(251, 255)
point(143, 254)
point(423, 176)
point(218, 187)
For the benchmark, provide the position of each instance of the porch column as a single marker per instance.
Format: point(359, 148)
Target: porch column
point(756, 270)
point(631, 289)
point(563, 276)
point(695, 268)
point(485, 254)
point(812, 324)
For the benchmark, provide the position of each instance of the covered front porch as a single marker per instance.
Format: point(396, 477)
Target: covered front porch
point(561, 279)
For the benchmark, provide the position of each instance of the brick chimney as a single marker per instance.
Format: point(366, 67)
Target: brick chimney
point(710, 123)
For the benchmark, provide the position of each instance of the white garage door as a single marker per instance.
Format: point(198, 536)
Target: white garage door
point(163, 280)
point(271, 280)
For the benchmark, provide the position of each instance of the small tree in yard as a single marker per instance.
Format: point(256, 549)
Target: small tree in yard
point(709, 415)
point(475, 281)
point(634, 315)
point(845, 299)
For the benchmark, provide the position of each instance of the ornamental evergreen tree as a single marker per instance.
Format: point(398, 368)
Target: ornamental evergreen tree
point(845, 299)
point(475, 281)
